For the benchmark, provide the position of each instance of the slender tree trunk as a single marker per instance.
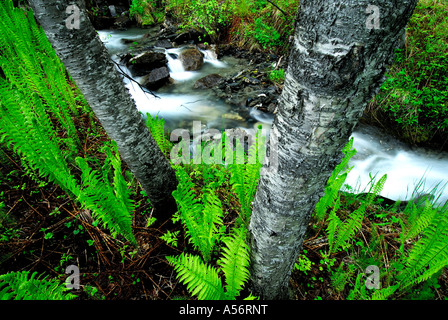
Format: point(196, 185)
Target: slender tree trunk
point(77, 44)
point(341, 51)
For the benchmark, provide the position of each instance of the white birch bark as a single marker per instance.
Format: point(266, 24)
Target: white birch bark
point(77, 44)
point(336, 65)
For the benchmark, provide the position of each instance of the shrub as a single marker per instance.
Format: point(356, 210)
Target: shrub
point(415, 93)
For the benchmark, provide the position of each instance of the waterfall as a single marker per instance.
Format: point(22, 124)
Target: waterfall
point(177, 70)
point(407, 169)
point(211, 57)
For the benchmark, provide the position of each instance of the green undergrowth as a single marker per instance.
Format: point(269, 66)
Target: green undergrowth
point(254, 24)
point(372, 249)
point(414, 98)
point(215, 264)
point(38, 106)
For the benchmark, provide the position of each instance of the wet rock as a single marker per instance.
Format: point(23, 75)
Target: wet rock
point(145, 62)
point(156, 78)
point(164, 43)
point(208, 81)
point(122, 22)
point(124, 58)
point(240, 92)
point(127, 41)
point(173, 55)
point(192, 59)
point(109, 14)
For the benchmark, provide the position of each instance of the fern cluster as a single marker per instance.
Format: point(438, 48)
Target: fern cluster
point(204, 280)
point(29, 286)
point(109, 199)
point(202, 218)
point(156, 126)
point(37, 108)
point(341, 232)
point(423, 225)
point(201, 213)
point(245, 172)
point(335, 182)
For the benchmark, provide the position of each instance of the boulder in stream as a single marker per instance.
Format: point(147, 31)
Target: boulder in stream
point(192, 59)
point(145, 62)
point(208, 81)
point(156, 78)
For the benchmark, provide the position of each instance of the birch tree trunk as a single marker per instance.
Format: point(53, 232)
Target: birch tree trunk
point(340, 53)
point(77, 44)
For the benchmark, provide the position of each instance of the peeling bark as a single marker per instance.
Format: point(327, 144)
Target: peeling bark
point(86, 59)
point(336, 66)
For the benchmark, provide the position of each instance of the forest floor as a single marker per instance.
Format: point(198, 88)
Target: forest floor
point(43, 230)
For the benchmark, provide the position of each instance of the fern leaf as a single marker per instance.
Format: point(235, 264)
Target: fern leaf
point(429, 254)
point(201, 279)
point(245, 175)
point(23, 286)
point(212, 218)
point(200, 218)
point(156, 127)
point(422, 222)
point(376, 189)
point(99, 197)
point(235, 262)
point(384, 293)
point(333, 224)
point(335, 182)
point(349, 227)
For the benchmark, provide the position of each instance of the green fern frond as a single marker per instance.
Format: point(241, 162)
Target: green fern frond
point(26, 286)
point(333, 224)
point(251, 297)
point(201, 218)
point(106, 206)
point(417, 225)
point(429, 254)
point(121, 190)
point(201, 279)
point(348, 228)
point(330, 197)
point(384, 293)
point(376, 189)
point(335, 182)
point(189, 207)
point(211, 221)
point(359, 290)
point(235, 262)
point(245, 173)
point(156, 127)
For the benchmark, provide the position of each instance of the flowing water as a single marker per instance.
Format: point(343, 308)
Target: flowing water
point(377, 153)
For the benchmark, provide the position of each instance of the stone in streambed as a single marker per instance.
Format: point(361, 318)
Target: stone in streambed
point(208, 81)
point(156, 78)
point(145, 62)
point(192, 59)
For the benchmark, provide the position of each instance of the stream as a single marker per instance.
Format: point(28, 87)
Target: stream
point(407, 168)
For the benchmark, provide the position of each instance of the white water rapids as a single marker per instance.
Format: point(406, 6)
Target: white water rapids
point(377, 153)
